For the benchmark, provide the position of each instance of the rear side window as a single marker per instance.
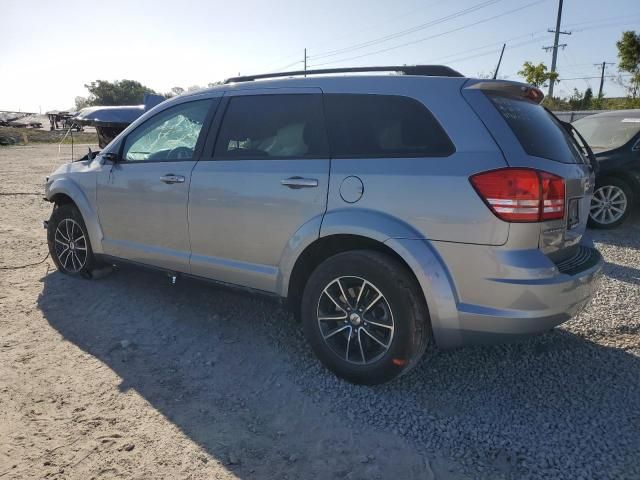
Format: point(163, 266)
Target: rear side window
point(273, 126)
point(537, 131)
point(383, 126)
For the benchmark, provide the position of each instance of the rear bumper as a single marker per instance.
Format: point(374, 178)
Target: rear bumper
point(482, 294)
point(551, 302)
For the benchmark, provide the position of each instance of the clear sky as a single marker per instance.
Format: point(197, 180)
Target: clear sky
point(50, 49)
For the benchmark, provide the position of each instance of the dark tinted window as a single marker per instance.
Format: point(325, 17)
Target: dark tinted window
point(537, 131)
point(383, 126)
point(273, 126)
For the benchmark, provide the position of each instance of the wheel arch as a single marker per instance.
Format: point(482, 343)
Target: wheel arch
point(325, 247)
point(65, 192)
point(632, 179)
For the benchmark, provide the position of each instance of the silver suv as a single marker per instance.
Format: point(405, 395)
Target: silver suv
point(392, 212)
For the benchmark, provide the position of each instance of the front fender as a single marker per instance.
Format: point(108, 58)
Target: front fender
point(67, 187)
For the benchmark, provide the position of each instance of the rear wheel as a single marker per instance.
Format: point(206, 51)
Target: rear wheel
point(68, 241)
point(611, 203)
point(365, 317)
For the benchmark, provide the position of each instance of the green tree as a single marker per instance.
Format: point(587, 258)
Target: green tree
point(537, 75)
point(120, 92)
point(629, 59)
point(581, 101)
point(175, 91)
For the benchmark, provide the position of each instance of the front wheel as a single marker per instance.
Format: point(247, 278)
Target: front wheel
point(611, 203)
point(68, 241)
point(365, 317)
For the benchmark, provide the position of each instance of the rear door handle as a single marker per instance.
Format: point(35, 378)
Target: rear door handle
point(299, 182)
point(171, 178)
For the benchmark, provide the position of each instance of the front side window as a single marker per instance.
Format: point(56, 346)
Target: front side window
point(273, 126)
point(383, 126)
point(170, 135)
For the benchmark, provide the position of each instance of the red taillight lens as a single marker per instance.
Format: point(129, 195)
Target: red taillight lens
point(552, 196)
point(521, 194)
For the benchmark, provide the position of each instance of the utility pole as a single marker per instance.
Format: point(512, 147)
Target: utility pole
point(305, 60)
point(495, 74)
point(604, 65)
point(555, 47)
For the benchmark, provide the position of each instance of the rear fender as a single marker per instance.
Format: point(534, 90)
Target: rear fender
point(417, 252)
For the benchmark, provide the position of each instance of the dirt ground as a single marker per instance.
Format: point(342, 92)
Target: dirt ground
point(130, 377)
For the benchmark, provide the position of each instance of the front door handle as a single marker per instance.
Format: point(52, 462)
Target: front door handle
point(171, 178)
point(299, 182)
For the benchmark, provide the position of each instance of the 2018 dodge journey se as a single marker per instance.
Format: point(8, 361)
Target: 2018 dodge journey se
point(393, 212)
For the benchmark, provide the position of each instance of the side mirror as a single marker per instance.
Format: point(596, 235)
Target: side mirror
point(111, 157)
point(636, 146)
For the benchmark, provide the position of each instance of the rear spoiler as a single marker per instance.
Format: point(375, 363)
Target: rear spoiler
point(512, 89)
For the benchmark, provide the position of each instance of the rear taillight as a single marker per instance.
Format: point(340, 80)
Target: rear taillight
point(521, 194)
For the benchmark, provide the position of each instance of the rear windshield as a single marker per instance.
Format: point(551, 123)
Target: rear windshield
point(537, 131)
point(607, 133)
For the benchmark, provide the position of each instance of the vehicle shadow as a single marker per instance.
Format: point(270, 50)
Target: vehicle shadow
point(625, 236)
point(233, 373)
point(622, 273)
point(222, 366)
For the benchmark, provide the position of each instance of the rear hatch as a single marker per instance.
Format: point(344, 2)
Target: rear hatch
point(531, 137)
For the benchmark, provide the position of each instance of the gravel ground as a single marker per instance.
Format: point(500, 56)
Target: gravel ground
point(129, 377)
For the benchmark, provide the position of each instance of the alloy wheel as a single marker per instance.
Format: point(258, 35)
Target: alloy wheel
point(608, 205)
point(355, 320)
point(70, 245)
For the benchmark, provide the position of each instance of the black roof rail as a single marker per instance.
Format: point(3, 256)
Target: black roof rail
point(427, 70)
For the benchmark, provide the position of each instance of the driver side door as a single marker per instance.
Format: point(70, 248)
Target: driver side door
point(142, 198)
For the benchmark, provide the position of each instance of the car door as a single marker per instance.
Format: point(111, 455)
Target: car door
point(142, 196)
point(265, 179)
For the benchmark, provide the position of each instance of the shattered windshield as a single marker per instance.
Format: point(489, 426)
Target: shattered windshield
point(171, 135)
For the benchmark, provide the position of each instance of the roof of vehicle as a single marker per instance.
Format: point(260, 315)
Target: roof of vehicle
point(317, 77)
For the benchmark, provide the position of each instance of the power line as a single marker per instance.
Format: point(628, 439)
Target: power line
point(407, 31)
point(597, 76)
point(334, 39)
point(435, 35)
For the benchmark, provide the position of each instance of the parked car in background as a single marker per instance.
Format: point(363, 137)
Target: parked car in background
point(390, 211)
point(614, 138)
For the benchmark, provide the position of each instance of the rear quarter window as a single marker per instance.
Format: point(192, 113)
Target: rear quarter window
point(367, 125)
point(536, 130)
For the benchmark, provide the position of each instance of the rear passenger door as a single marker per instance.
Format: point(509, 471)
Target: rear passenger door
point(265, 178)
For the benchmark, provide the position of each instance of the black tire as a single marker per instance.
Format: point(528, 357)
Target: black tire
point(82, 262)
point(411, 332)
point(618, 184)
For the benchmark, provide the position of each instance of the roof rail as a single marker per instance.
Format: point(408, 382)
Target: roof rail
point(427, 70)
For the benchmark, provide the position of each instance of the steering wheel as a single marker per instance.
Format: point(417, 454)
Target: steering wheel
point(180, 153)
